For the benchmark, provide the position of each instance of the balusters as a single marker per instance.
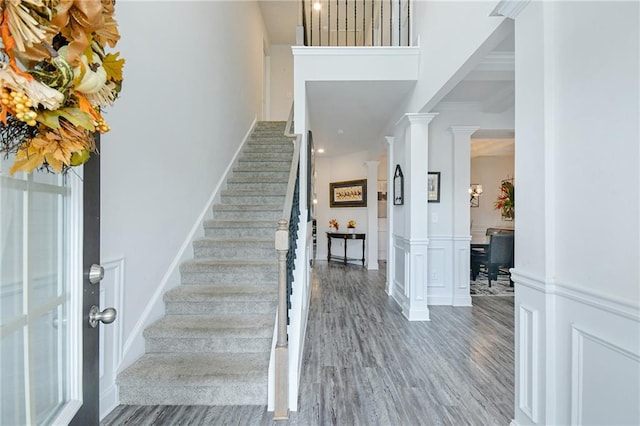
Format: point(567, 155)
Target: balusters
point(398, 12)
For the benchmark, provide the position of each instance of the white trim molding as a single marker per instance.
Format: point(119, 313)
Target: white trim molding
point(111, 347)
point(509, 8)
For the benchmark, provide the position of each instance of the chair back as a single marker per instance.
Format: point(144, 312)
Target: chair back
point(501, 249)
point(492, 231)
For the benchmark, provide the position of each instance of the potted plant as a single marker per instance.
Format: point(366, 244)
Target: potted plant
point(333, 225)
point(351, 226)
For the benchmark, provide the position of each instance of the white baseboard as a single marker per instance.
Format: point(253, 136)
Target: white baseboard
point(134, 344)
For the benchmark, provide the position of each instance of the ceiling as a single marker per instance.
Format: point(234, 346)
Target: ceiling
point(348, 117)
point(280, 18)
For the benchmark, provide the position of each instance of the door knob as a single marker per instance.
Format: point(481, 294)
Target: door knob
point(106, 317)
point(96, 274)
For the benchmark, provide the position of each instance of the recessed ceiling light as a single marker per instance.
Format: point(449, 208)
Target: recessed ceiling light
point(317, 6)
point(320, 150)
point(340, 131)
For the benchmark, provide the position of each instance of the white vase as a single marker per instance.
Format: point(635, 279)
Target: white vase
point(351, 230)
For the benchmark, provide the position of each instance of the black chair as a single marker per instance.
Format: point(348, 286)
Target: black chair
point(496, 260)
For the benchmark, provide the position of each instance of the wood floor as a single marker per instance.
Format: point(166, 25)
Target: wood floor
point(365, 364)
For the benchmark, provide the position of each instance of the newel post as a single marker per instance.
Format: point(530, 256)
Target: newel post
point(281, 400)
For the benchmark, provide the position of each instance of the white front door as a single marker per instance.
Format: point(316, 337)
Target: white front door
point(41, 314)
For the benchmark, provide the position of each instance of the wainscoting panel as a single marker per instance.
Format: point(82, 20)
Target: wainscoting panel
point(461, 262)
point(532, 363)
point(437, 267)
point(529, 348)
point(597, 365)
point(111, 341)
point(399, 290)
point(577, 355)
point(441, 275)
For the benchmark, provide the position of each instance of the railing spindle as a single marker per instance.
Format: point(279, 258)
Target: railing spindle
point(329, 22)
point(346, 22)
point(355, 20)
point(390, 23)
point(381, 19)
point(364, 25)
point(408, 23)
point(372, 22)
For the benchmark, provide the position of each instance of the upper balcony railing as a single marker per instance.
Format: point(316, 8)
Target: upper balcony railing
point(356, 22)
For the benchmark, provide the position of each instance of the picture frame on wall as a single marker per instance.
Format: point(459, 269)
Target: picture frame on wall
point(398, 187)
point(350, 193)
point(433, 187)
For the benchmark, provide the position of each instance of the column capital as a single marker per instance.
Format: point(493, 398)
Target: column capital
point(417, 118)
point(463, 130)
point(390, 140)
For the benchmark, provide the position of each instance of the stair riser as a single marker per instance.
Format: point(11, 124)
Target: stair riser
point(246, 214)
point(207, 345)
point(271, 140)
point(235, 252)
point(247, 393)
point(278, 167)
point(259, 186)
point(252, 199)
point(256, 175)
point(221, 307)
point(241, 232)
point(245, 277)
point(265, 156)
point(279, 148)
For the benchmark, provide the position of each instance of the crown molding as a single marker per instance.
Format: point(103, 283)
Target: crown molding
point(509, 8)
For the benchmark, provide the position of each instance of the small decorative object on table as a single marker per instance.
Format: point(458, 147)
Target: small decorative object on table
point(333, 225)
point(351, 226)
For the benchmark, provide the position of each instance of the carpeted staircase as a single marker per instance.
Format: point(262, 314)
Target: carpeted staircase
point(213, 345)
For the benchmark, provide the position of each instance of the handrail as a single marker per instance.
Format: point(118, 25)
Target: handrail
point(282, 239)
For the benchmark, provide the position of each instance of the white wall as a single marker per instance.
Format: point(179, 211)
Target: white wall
point(281, 81)
point(192, 89)
point(577, 246)
point(450, 34)
point(337, 169)
point(489, 171)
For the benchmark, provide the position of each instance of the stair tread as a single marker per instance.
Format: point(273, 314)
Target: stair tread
point(203, 293)
point(252, 207)
point(212, 326)
point(247, 240)
point(171, 369)
point(231, 262)
point(252, 192)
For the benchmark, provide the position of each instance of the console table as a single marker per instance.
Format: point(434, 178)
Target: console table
point(345, 238)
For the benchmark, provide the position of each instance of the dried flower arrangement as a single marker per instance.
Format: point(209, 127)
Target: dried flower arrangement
point(55, 77)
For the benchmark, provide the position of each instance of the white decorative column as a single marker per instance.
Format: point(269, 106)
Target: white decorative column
point(416, 211)
point(390, 229)
point(461, 213)
point(372, 215)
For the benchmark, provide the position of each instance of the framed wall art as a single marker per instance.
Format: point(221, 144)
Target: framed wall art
point(351, 193)
point(398, 187)
point(433, 187)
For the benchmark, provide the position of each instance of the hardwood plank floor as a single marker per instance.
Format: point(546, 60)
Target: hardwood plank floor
point(365, 364)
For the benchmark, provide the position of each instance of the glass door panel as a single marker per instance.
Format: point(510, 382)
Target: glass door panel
point(36, 295)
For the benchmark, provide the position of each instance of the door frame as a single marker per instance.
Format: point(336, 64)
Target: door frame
point(89, 412)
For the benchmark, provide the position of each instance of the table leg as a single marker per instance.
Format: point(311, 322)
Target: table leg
point(363, 252)
point(328, 248)
point(345, 251)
